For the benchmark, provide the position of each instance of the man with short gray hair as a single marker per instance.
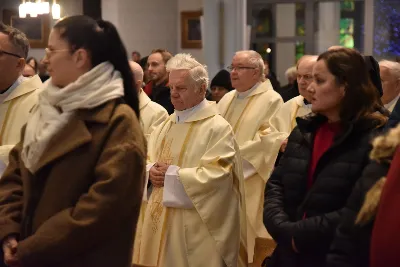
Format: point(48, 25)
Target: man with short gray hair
point(390, 77)
point(195, 214)
point(17, 94)
point(248, 109)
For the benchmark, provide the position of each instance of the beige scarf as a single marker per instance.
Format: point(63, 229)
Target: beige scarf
point(57, 105)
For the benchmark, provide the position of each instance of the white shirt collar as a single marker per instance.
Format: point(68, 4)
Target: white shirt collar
point(183, 115)
point(242, 95)
point(389, 106)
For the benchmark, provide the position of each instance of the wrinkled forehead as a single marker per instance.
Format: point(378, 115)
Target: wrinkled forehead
point(243, 59)
point(181, 77)
point(306, 66)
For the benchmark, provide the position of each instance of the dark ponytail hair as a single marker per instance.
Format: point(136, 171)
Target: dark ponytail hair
point(102, 41)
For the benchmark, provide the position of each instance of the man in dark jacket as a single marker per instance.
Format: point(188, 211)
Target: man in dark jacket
point(157, 89)
point(394, 118)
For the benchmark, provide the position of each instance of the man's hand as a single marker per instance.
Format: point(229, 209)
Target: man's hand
point(157, 174)
point(283, 145)
point(10, 246)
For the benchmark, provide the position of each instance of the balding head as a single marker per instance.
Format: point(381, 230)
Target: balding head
point(305, 67)
point(247, 69)
point(137, 74)
point(335, 47)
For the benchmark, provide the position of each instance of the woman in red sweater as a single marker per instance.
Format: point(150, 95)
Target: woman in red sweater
point(325, 155)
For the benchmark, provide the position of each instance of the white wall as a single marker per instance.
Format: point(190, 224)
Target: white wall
point(144, 25)
point(68, 8)
point(188, 5)
point(285, 51)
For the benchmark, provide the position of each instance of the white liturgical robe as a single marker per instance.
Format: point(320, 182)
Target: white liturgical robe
point(14, 112)
point(284, 120)
point(198, 218)
point(249, 114)
point(151, 114)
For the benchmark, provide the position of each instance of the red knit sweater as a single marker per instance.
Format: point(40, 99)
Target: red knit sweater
point(322, 142)
point(385, 241)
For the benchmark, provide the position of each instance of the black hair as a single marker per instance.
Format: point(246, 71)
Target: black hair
point(102, 41)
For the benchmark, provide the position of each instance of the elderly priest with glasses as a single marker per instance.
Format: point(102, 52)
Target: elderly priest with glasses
point(17, 93)
point(195, 215)
point(248, 109)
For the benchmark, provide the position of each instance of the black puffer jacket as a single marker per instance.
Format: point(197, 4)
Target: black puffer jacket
point(287, 198)
point(351, 245)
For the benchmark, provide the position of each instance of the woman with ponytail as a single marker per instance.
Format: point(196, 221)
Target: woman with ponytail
point(72, 191)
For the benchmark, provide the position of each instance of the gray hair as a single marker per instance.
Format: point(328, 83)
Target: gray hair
point(394, 67)
point(291, 73)
point(255, 59)
point(17, 38)
point(197, 71)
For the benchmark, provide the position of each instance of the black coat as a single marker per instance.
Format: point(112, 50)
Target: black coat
point(161, 94)
point(394, 118)
point(287, 198)
point(351, 245)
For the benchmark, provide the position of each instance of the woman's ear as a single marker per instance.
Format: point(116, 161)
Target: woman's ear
point(81, 58)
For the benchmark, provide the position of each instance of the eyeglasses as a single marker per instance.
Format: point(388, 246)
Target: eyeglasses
point(2, 52)
point(50, 52)
point(239, 68)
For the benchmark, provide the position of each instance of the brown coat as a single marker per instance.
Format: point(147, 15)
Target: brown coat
point(81, 207)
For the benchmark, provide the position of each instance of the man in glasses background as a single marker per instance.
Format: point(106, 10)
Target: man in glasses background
point(248, 109)
point(17, 94)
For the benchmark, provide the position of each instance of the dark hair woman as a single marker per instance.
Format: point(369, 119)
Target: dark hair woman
point(71, 194)
point(325, 156)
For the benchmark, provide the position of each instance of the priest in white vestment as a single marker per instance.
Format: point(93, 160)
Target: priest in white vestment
point(195, 214)
point(249, 109)
point(284, 120)
point(17, 94)
point(152, 114)
point(390, 77)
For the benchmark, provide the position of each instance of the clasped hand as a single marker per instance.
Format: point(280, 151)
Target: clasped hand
point(157, 174)
point(10, 252)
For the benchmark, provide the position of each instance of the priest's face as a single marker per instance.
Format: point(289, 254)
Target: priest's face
point(390, 85)
point(244, 72)
point(184, 94)
point(304, 76)
point(326, 93)
point(11, 62)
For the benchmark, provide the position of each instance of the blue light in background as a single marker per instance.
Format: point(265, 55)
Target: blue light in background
point(387, 25)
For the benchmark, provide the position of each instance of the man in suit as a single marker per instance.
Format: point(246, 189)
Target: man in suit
point(17, 93)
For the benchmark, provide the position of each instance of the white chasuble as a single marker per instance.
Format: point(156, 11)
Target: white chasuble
point(209, 234)
point(249, 115)
point(151, 114)
point(284, 120)
point(14, 113)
